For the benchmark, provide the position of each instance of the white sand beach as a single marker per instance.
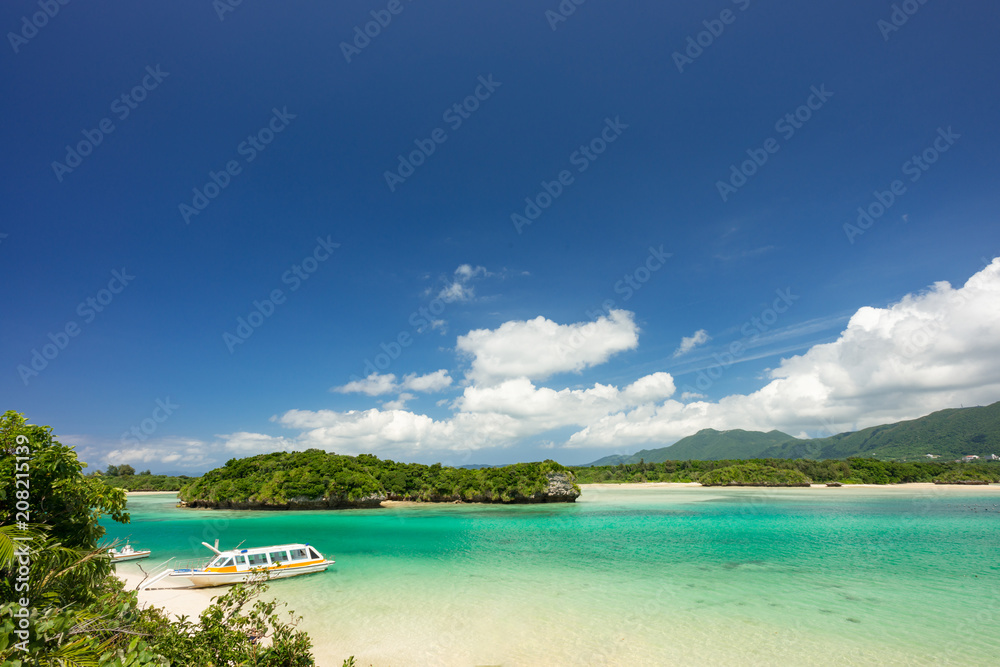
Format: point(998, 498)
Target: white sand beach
point(912, 486)
point(151, 493)
point(176, 599)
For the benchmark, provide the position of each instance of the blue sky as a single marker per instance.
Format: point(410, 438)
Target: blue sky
point(640, 249)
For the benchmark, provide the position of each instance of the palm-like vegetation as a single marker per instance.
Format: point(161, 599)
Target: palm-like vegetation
point(56, 585)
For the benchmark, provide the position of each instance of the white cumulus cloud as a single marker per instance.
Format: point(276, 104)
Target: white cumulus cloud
point(931, 350)
point(373, 385)
point(429, 383)
point(688, 343)
point(377, 384)
point(460, 289)
point(539, 348)
point(936, 349)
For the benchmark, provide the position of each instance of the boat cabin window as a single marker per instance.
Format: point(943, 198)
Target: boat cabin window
point(313, 554)
point(222, 561)
point(256, 560)
point(241, 560)
point(278, 557)
point(299, 554)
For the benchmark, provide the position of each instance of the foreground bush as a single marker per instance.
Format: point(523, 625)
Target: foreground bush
point(76, 611)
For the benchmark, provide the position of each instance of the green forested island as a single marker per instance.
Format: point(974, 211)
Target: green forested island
point(125, 477)
point(946, 434)
point(314, 479)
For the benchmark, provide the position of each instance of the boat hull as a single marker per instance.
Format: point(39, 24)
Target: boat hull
point(133, 556)
point(204, 579)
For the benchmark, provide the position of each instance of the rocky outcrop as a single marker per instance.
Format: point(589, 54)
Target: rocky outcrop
point(561, 488)
point(781, 485)
point(974, 482)
point(299, 503)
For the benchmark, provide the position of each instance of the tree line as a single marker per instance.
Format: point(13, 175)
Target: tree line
point(847, 471)
point(284, 477)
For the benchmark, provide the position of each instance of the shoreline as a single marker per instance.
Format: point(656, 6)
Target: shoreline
point(914, 486)
point(176, 601)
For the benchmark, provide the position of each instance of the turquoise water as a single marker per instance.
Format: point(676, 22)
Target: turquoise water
point(634, 576)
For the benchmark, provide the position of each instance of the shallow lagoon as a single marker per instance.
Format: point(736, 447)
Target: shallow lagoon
point(656, 575)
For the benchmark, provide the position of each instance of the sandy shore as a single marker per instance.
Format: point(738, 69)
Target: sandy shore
point(179, 600)
point(175, 598)
point(913, 486)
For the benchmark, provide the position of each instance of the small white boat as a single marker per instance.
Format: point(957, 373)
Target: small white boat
point(127, 553)
point(238, 565)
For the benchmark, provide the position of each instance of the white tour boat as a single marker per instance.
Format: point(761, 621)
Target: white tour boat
point(238, 565)
point(127, 553)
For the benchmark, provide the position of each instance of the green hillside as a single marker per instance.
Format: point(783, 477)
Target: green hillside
point(711, 445)
point(705, 445)
point(949, 434)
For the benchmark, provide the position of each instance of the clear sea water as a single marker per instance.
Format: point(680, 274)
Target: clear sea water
point(648, 576)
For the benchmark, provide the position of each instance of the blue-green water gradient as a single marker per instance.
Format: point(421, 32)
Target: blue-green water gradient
point(633, 576)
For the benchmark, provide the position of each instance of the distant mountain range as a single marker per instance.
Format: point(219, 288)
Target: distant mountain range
point(949, 434)
point(705, 445)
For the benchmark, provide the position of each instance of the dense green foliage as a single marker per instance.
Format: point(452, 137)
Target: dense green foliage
point(314, 475)
point(753, 474)
point(969, 474)
point(60, 496)
point(56, 587)
point(147, 482)
point(851, 471)
point(230, 631)
point(124, 470)
point(949, 434)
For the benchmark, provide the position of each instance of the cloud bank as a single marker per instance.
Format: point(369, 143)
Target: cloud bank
point(934, 349)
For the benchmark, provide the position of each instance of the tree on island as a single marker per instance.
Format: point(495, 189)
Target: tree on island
point(124, 470)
